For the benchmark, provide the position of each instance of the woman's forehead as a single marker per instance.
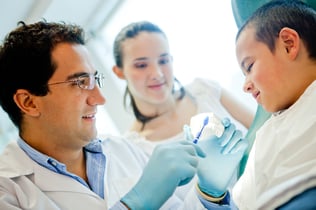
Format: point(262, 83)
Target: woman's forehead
point(149, 45)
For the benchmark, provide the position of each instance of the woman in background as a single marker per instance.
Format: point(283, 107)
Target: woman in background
point(161, 105)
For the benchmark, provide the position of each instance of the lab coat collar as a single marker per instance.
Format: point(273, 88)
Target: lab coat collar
point(15, 163)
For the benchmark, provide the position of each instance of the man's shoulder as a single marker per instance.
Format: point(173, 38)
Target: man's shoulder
point(14, 162)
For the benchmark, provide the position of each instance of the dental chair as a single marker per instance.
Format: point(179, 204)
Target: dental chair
point(260, 117)
point(242, 9)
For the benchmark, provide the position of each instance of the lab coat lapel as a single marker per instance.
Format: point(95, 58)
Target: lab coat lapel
point(19, 164)
point(47, 180)
point(15, 162)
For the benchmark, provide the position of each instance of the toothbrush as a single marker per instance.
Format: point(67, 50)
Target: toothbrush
point(205, 121)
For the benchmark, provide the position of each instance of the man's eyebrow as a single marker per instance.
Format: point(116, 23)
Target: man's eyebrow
point(79, 74)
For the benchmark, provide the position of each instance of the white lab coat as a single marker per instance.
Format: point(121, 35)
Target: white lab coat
point(27, 185)
point(282, 162)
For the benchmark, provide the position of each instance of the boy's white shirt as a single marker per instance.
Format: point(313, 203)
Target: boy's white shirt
point(282, 162)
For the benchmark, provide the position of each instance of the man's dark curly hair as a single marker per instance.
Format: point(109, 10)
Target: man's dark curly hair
point(26, 62)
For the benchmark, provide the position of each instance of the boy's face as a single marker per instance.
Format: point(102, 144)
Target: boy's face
point(266, 73)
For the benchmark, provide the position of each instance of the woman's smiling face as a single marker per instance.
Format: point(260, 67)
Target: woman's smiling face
point(147, 67)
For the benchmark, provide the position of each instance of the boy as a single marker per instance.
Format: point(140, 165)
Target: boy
point(276, 50)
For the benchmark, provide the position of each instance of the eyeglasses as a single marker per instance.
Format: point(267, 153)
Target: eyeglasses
point(86, 82)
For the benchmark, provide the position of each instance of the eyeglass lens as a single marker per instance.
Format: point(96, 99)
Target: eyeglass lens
point(88, 82)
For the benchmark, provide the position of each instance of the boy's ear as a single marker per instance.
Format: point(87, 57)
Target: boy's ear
point(119, 72)
point(26, 102)
point(290, 40)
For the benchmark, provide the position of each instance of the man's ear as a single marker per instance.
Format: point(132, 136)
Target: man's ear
point(118, 72)
point(290, 40)
point(26, 102)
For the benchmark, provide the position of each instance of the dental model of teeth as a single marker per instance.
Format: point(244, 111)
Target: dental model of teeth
point(204, 125)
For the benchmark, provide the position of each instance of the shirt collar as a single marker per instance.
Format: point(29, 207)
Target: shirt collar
point(51, 163)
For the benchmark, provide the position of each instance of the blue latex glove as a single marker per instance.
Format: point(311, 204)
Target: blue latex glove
point(170, 165)
point(223, 155)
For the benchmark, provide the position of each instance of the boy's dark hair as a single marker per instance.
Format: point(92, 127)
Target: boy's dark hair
point(26, 63)
point(269, 19)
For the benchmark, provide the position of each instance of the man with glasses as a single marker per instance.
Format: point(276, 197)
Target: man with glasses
point(48, 88)
point(85, 81)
